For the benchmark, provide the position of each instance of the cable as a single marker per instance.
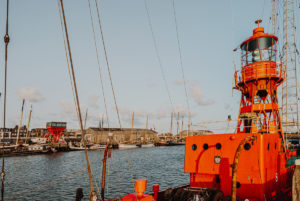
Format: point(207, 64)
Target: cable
point(107, 64)
point(6, 40)
point(98, 61)
point(68, 63)
point(157, 55)
point(77, 100)
point(181, 63)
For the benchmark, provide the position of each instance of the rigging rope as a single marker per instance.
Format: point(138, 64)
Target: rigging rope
point(181, 63)
point(68, 63)
point(6, 40)
point(98, 61)
point(157, 55)
point(45, 185)
point(107, 64)
point(92, 192)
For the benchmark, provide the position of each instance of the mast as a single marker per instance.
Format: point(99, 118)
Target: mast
point(181, 127)
point(146, 130)
point(20, 123)
point(85, 119)
point(177, 124)
point(131, 134)
point(92, 191)
point(6, 40)
point(171, 125)
point(28, 125)
point(290, 108)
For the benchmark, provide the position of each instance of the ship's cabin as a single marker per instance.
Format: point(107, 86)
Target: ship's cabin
point(56, 124)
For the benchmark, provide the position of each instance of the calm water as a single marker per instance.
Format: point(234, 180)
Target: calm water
point(57, 176)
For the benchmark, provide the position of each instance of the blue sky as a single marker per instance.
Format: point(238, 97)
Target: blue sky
point(208, 32)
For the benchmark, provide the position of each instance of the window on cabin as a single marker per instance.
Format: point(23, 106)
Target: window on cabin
point(260, 49)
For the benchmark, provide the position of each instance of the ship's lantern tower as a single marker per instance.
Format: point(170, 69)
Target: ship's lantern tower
point(258, 79)
point(56, 132)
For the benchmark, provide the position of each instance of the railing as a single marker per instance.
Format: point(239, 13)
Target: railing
point(264, 69)
point(230, 126)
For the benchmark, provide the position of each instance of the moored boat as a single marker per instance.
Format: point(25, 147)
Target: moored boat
point(252, 164)
point(127, 146)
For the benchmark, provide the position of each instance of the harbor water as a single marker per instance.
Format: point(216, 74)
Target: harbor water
point(57, 176)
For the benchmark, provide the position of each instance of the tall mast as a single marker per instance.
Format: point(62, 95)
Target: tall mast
point(274, 17)
point(290, 110)
point(28, 125)
point(6, 40)
point(171, 124)
point(146, 130)
point(20, 123)
point(131, 134)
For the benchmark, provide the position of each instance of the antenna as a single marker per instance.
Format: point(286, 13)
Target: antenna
point(290, 110)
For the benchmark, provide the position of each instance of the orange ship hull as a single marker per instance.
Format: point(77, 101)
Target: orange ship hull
point(263, 171)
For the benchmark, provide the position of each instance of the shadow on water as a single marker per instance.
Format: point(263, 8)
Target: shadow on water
point(27, 177)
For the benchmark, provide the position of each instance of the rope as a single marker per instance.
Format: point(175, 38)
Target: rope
point(157, 55)
point(40, 187)
point(107, 64)
point(77, 100)
point(181, 63)
point(129, 167)
point(107, 178)
point(6, 40)
point(98, 61)
point(45, 185)
point(66, 51)
point(116, 174)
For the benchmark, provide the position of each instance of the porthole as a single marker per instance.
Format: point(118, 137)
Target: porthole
point(194, 147)
point(205, 146)
point(218, 179)
point(247, 146)
point(238, 185)
point(268, 146)
point(218, 146)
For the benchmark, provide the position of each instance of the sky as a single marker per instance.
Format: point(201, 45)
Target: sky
point(208, 32)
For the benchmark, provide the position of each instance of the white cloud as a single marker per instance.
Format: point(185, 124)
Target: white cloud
point(183, 111)
point(198, 96)
point(93, 101)
point(30, 94)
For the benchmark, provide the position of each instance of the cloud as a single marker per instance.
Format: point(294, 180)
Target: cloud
point(69, 109)
point(183, 111)
point(30, 94)
point(93, 101)
point(198, 96)
point(180, 81)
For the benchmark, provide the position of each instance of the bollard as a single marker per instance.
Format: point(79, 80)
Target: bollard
point(79, 194)
point(296, 182)
point(155, 190)
point(140, 187)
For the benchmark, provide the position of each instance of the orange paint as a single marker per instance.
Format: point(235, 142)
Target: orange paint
point(262, 169)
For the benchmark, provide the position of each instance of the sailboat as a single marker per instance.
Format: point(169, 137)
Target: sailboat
point(129, 145)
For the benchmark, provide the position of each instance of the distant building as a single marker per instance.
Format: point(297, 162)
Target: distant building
point(100, 135)
point(11, 133)
point(186, 133)
point(165, 137)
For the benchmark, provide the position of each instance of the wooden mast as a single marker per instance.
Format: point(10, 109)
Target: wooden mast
point(28, 125)
point(131, 135)
point(20, 123)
